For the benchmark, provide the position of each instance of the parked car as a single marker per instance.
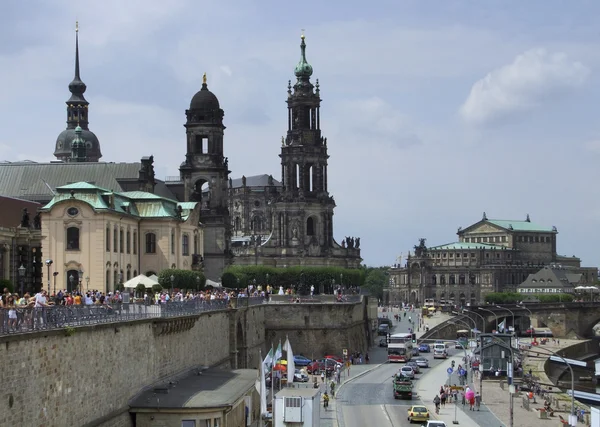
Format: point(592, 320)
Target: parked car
point(418, 413)
point(300, 360)
point(424, 348)
point(316, 368)
point(300, 377)
point(422, 362)
point(338, 359)
point(440, 354)
point(435, 423)
point(383, 342)
point(407, 371)
point(383, 329)
point(415, 366)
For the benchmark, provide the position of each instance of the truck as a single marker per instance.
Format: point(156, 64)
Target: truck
point(402, 387)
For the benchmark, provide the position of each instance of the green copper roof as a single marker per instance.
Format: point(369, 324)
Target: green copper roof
point(81, 186)
point(521, 225)
point(465, 245)
point(303, 69)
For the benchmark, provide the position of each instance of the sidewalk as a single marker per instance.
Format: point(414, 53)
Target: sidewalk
point(429, 385)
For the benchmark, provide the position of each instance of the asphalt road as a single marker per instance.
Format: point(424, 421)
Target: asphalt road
point(369, 401)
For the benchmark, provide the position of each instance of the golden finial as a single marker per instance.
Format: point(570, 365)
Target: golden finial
point(302, 35)
point(76, 26)
point(204, 79)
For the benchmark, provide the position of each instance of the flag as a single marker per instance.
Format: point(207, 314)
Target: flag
point(263, 389)
point(501, 326)
point(278, 354)
point(291, 367)
point(268, 362)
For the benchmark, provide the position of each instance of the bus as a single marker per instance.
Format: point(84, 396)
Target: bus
point(400, 338)
point(462, 339)
point(400, 352)
point(429, 302)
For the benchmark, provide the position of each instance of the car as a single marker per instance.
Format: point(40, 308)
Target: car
point(383, 329)
point(338, 359)
point(422, 362)
point(300, 360)
point(317, 367)
point(383, 342)
point(407, 371)
point(439, 354)
point(435, 423)
point(415, 366)
point(300, 377)
point(418, 413)
point(415, 351)
point(425, 348)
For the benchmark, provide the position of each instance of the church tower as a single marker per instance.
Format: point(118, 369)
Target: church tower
point(307, 220)
point(205, 176)
point(77, 116)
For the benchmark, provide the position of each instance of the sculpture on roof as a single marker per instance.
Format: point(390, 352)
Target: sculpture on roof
point(37, 221)
point(421, 249)
point(527, 219)
point(25, 219)
point(243, 180)
point(230, 183)
point(271, 182)
point(484, 217)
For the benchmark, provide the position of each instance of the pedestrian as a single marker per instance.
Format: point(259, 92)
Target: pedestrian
point(477, 400)
point(322, 376)
point(443, 399)
point(367, 358)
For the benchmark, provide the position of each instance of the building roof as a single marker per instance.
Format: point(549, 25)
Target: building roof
point(38, 181)
point(136, 203)
point(465, 245)
point(254, 181)
point(521, 225)
point(298, 392)
point(212, 388)
point(12, 211)
point(553, 277)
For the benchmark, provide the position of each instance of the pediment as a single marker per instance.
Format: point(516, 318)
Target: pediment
point(482, 227)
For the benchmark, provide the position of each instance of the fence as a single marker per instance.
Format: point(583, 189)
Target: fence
point(23, 320)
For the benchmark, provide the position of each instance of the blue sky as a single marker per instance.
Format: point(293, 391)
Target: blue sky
point(434, 111)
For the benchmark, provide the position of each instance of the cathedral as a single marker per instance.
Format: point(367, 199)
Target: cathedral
point(244, 221)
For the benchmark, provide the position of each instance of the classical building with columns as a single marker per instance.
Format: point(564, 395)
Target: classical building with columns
point(489, 256)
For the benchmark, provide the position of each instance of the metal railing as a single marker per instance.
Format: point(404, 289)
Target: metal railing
point(26, 319)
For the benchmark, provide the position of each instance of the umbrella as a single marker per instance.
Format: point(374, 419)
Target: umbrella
point(431, 308)
point(469, 394)
point(283, 362)
point(213, 283)
point(279, 367)
point(146, 281)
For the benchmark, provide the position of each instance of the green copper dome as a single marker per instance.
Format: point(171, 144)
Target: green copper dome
point(78, 129)
point(303, 69)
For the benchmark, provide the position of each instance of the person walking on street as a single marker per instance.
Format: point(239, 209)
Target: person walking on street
point(477, 400)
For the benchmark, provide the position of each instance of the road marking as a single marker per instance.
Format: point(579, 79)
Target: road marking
point(385, 412)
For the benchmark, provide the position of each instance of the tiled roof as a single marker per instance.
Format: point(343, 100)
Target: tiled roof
point(465, 245)
point(520, 225)
point(254, 181)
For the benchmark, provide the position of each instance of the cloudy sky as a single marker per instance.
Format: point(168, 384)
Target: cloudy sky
point(435, 111)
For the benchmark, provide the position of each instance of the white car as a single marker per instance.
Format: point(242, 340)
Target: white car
point(422, 362)
point(300, 377)
point(407, 371)
point(434, 423)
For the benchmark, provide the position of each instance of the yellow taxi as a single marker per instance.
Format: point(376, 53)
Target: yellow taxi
point(418, 413)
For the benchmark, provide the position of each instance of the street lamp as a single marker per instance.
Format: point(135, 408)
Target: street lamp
point(482, 319)
point(197, 283)
point(54, 275)
point(87, 283)
point(22, 270)
point(530, 317)
point(172, 283)
point(48, 264)
point(493, 314)
point(511, 312)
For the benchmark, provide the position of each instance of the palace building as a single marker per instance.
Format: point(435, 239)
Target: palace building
point(489, 256)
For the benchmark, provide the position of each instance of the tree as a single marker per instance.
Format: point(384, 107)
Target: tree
point(5, 283)
point(375, 281)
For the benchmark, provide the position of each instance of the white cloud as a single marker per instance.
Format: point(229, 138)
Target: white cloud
point(532, 77)
point(593, 145)
point(226, 69)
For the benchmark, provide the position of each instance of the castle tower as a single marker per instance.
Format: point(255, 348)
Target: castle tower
point(205, 176)
point(77, 115)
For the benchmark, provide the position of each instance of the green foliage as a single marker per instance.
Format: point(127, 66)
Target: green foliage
point(140, 289)
point(503, 298)
point(156, 289)
point(299, 278)
point(183, 279)
point(5, 283)
point(69, 331)
point(375, 280)
point(555, 298)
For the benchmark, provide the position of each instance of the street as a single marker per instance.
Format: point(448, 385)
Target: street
point(369, 401)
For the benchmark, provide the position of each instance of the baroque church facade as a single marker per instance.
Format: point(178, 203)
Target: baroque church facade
point(260, 221)
point(489, 256)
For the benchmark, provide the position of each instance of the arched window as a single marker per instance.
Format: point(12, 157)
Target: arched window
point(433, 279)
point(72, 239)
point(257, 223)
point(310, 226)
point(443, 279)
point(115, 278)
point(461, 279)
point(107, 278)
point(452, 280)
point(128, 273)
point(150, 243)
point(108, 239)
point(128, 241)
point(172, 242)
point(135, 273)
point(185, 245)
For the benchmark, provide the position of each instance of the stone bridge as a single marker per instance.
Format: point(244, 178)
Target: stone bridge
point(565, 320)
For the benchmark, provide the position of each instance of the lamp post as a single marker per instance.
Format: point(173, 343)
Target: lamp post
point(87, 283)
point(172, 283)
point(22, 271)
point(197, 283)
point(54, 275)
point(493, 314)
point(572, 417)
point(482, 319)
point(511, 312)
point(530, 316)
point(48, 264)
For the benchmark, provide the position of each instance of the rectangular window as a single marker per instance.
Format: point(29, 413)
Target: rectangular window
point(485, 239)
point(128, 241)
point(121, 245)
point(135, 242)
point(115, 241)
point(185, 245)
point(188, 423)
point(172, 243)
point(107, 239)
point(150, 243)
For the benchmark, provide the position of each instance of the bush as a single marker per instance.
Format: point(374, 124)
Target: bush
point(504, 297)
point(5, 283)
point(183, 279)
point(555, 298)
point(156, 289)
point(140, 289)
point(228, 280)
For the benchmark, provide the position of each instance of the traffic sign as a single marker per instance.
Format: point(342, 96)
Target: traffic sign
point(461, 372)
point(345, 352)
point(449, 370)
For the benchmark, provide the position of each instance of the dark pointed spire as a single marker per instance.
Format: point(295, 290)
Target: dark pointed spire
point(303, 70)
point(77, 87)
